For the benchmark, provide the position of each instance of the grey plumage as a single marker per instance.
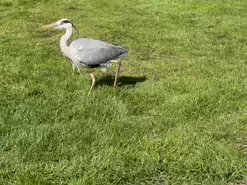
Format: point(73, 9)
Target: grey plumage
point(95, 52)
point(88, 53)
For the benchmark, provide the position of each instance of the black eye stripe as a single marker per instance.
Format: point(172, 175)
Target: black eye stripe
point(66, 21)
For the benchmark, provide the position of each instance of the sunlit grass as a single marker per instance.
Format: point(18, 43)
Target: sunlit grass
point(179, 114)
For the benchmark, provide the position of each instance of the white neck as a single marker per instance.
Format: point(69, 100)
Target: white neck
point(64, 40)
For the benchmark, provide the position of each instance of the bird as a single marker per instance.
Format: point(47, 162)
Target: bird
point(88, 53)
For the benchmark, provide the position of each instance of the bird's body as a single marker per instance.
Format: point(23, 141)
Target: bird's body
point(94, 53)
point(88, 53)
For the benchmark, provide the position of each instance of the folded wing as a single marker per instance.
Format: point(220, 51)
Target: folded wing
point(95, 52)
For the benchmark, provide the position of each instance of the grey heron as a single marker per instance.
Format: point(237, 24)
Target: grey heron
point(88, 53)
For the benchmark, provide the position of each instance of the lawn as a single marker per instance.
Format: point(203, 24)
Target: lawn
point(179, 116)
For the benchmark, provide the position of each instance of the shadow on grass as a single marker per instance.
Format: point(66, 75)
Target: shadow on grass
point(122, 80)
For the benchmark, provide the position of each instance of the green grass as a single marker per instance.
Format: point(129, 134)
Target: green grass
point(185, 80)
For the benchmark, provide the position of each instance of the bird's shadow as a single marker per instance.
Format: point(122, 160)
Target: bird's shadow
point(122, 80)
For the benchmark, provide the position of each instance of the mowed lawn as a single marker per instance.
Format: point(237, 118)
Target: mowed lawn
point(178, 117)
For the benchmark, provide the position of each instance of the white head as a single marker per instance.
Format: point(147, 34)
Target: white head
point(61, 24)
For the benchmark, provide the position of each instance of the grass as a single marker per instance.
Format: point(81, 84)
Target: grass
point(185, 82)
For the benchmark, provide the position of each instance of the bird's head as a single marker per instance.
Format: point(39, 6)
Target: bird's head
point(61, 24)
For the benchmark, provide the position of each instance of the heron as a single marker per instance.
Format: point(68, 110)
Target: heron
point(88, 53)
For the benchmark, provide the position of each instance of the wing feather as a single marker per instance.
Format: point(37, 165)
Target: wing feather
point(95, 52)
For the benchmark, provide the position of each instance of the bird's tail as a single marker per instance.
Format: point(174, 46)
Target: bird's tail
point(123, 51)
point(125, 55)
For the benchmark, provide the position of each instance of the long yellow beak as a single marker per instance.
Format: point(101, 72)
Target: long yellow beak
point(49, 26)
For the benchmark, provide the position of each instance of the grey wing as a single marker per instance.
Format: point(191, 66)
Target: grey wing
point(95, 52)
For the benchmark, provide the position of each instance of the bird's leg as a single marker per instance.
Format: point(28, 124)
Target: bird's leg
point(73, 65)
point(79, 71)
point(116, 76)
point(78, 68)
point(93, 83)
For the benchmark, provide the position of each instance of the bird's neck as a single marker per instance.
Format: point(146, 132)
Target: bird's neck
point(64, 40)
